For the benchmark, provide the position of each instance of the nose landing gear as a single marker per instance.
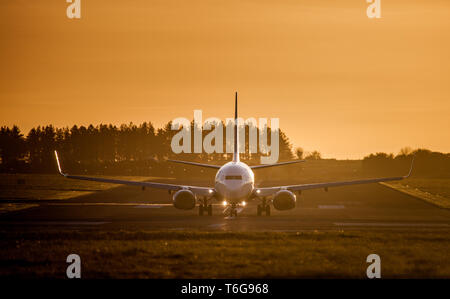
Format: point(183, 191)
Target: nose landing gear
point(233, 211)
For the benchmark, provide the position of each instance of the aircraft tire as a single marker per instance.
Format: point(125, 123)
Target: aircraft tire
point(258, 210)
point(209, 210)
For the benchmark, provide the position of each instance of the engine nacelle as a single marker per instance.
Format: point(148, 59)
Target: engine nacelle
point(284, 200)
point(184, 200)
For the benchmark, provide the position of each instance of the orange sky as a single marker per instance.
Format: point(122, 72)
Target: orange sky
point(340, 83)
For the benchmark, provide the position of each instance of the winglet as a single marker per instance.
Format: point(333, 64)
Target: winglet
point(59, 165)
point(411, 168)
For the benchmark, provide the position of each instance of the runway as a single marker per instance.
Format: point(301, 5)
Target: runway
point(365, 207)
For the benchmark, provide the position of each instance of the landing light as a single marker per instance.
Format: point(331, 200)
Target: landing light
point(244, 203)
point(224, 203)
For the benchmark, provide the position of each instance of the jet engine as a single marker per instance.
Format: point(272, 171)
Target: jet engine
point(184, 200)
point(284, 200)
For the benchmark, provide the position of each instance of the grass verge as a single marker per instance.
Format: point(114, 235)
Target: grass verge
point(434, 191)
point(54, 186)
point(168, 254)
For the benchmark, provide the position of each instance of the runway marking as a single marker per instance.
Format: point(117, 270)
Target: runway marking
point(217, 225)
point(331, 207)
point(383, 224)
point(146, 206)
point(133, 204)
point(51, 223)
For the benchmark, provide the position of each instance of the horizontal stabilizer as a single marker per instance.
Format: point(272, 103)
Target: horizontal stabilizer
point(275, 164)
point(195, 164)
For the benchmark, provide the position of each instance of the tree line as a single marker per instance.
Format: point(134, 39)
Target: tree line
point(131, 149)
point(426, 163)
point(108, 149)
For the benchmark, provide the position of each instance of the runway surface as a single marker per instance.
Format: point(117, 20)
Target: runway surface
point(365, 207)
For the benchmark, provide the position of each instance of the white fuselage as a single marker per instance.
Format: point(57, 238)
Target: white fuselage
point(234, 182)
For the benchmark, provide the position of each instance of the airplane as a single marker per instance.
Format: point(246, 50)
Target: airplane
point(234, 185)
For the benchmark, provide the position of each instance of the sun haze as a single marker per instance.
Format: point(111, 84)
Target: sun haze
point(340, 83)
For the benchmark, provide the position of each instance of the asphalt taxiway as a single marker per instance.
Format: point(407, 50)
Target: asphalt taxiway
point(344, 208)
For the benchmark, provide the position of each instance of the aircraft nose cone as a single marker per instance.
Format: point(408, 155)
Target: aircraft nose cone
point(238, 191)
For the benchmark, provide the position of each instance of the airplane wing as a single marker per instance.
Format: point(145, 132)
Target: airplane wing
point(203, 191)
point(275, 164)
point(195, 164)
point(267, 191)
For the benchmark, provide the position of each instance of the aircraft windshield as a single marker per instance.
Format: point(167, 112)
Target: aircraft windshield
point(233, 177)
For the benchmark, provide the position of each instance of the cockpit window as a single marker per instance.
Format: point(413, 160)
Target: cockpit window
point(233, 177)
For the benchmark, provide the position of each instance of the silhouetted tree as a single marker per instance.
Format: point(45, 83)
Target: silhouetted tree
point(12, 147)
point(314, 155)
point(299, 152)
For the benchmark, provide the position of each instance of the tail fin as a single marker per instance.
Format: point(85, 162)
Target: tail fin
point(236, 137)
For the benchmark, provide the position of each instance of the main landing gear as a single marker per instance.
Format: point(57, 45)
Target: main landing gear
point(264, 207)
point(204, 207)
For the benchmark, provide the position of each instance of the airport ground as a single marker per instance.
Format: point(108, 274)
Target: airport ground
point(124, 232)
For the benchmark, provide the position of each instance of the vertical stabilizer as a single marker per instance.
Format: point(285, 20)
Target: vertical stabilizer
point(236, 137)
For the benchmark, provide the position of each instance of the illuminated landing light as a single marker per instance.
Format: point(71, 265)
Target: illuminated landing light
point(258, 191)
point(244, 203)
point(210, 191)
point(224, 203)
